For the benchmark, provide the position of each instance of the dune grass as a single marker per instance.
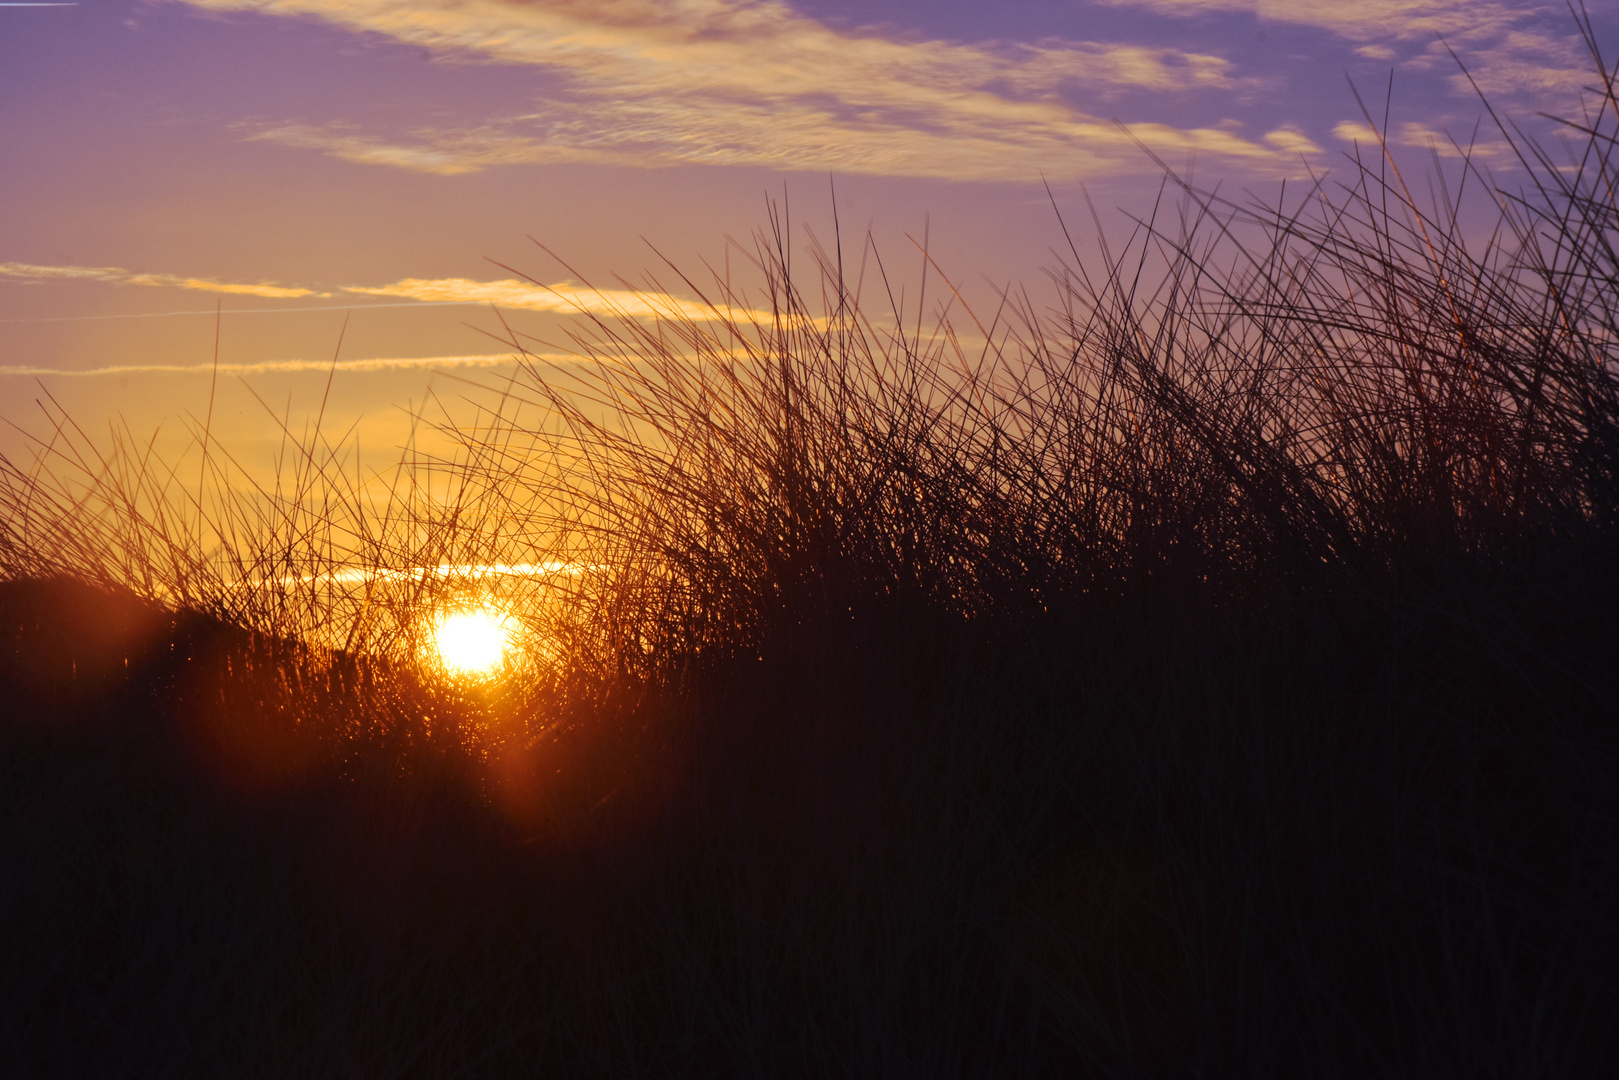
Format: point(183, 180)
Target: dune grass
point(1207, 674)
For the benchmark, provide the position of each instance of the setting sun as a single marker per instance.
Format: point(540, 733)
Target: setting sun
point(472, 642)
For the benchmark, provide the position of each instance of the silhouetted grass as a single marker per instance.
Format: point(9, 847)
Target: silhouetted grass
point(1210, 675)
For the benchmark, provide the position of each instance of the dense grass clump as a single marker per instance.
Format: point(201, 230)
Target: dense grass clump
point(1208, 675)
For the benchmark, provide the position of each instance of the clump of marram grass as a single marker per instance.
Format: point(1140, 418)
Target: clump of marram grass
point(1250, 400)
point(1206, 675)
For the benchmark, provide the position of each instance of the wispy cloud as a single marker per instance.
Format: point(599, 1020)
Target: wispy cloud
point(113, 275)
point(564, 297)
point(1290, 140)
point(211, 312)
point(1354, 131)
point(1363, 20)
point(1421, 135)
point(1546, 66)
point(756, 83)
point(267, 367)
point(446, 153)
point(1052, 141)
point(1508, 47)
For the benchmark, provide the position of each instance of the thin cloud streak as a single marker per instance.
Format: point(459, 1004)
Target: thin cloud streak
point(235, 311)
point(1362, 20)
point(730, 83)
point(114, 275)
point(266, 367)
point(1053, 141)
point(450, 153)
point(563, 297)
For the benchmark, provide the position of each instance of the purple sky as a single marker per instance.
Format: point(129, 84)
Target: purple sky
point(296, 159)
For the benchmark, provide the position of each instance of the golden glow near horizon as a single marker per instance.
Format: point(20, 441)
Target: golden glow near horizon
point(472, 642)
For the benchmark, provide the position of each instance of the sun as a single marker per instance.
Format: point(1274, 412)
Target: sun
point(472, 642)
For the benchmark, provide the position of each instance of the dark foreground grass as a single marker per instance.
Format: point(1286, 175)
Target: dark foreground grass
point(1346, 837)
point(1212, 677)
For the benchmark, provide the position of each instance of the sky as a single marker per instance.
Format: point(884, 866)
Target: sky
point(249, 189)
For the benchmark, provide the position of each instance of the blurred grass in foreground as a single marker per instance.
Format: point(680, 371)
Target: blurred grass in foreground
point(1211, 675)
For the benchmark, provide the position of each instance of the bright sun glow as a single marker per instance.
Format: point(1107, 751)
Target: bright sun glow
point(472, 642)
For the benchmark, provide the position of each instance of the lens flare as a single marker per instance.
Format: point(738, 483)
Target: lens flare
point(472, 642)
